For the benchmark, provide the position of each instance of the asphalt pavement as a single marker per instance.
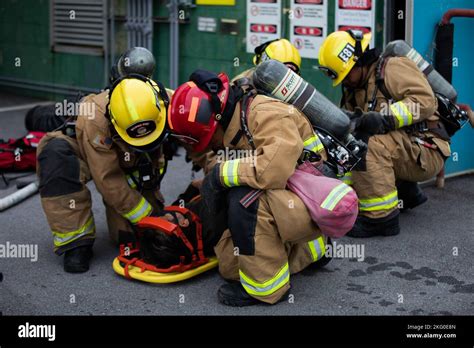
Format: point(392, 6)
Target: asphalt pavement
point(426, 270)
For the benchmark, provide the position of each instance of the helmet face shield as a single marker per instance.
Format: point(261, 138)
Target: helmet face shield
point(328, 72)
point(185, 139)
point(152, 146)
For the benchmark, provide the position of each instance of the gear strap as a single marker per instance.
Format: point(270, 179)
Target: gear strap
point(379, 83)
point(244, 110)
point(169, 228)
point(210, 83)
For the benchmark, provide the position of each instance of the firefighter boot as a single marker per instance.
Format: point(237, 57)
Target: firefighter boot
point(410, 194)
point(233, 294)
point(77, 260)
point(366, 227)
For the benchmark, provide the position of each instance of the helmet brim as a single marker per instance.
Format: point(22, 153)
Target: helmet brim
point(146, 140)
point(205, 140)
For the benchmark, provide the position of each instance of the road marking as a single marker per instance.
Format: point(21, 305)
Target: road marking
point(24, 106)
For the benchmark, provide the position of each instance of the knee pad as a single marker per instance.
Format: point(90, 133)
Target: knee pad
point(59, 169)
point(242, 220)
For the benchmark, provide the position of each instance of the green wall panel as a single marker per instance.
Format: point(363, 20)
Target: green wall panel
point(24, 33)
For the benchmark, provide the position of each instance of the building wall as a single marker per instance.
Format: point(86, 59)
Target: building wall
point(217, 51)
point(425, 19)
point(24, 34)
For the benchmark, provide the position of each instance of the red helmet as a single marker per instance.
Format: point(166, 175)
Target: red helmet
point(194, 113)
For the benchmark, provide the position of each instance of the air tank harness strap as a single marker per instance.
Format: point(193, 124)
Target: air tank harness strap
point(244, 110)
point(247, 99)
point(379, 83)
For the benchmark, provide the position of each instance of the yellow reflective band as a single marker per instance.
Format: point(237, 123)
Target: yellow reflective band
point(131, 183)
point(139, 212)
point(346, 178)
point(270, 286)
point(335, 196)
point(132, 111)
point(318, 248)
point(403, 115)
point(313, 144)
point(230, 173)
point(380, 203)
point(63, 238)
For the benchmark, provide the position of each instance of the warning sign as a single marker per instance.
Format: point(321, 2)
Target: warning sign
point(356, 14)
point(308, 29)
point(263, 22)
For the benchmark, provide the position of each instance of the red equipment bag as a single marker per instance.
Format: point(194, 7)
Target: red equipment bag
point(20, 154)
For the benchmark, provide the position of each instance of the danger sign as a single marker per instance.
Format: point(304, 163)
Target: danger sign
point(356, 14)
point(355, 4)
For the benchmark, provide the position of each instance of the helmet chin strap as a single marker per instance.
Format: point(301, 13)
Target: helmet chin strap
point(154, 145)
point(368, 58)
point(235, 94)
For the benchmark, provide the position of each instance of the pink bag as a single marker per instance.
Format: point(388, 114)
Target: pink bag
point(333, 205)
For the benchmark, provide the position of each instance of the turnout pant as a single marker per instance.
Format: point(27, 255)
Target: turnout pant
point(259, 251)
point(65, 198)
point(392, 156)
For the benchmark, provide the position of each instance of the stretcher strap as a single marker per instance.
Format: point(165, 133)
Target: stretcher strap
point(169, 228)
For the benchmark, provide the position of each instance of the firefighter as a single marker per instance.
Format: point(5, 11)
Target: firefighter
point(271, 234)
point(394, 109)
point(117, 144)
point(279, 49)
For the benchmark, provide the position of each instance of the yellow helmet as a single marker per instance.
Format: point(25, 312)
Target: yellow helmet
point(137, 109)
point(340, 51)
point(281, 50)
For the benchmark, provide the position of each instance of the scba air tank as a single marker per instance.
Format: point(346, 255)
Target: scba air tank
point(275, 79)
point(438, 83)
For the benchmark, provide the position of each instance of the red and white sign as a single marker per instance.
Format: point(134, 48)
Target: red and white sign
point(356, 14)
point(355, 4)
point(365, 30)
point(263, 22)
point(263, 28)
point(308, 21)
point(308, 31)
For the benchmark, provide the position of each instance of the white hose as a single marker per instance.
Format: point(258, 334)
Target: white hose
point(18, 196)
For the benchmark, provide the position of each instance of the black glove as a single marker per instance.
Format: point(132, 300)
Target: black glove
point(373, 123)
point(212, 191)
point(350, 114)
point(186, 196)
